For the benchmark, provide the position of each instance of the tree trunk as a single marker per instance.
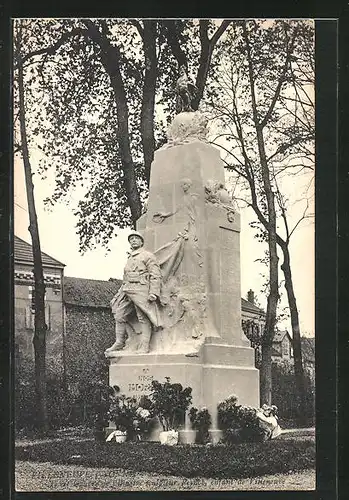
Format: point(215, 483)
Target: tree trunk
point(39, 339)
point(269, 329)
point(207, 48)
point(204, 62)
point(173, 42)
point(148, 102)
point(110, 60)
point(297, 346)
point(265, 374)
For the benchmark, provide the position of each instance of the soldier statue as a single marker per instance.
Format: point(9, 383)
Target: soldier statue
point(185, 91)
point(138, 296)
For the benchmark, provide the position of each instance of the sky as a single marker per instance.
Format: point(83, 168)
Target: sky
point(59, 240)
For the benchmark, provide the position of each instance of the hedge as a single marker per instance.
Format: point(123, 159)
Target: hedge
point(238, 461)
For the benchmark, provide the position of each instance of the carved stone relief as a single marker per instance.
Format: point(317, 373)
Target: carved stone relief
point(188, 206)
point(216, 193)
point(187, 127)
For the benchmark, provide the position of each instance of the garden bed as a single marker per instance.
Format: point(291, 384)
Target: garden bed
point(238, 461)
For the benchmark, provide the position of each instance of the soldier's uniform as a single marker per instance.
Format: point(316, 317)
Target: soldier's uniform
point(142, 278)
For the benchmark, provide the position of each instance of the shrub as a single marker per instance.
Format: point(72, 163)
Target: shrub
point(285, 394)
point(170, 402)
point(227, 413)
point(25, 396)
point(87, 393)
point(238, 423)
point(201, 422)
point(122, 412)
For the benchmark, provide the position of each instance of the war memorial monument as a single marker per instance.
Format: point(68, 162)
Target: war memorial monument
point(178, 312)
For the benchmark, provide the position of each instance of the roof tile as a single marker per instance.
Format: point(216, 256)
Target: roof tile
point(248, 306)
point(24, 253)
point(88, 292)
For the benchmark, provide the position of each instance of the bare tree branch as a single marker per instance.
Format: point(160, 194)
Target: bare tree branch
point(207, 46)
point(281, 80)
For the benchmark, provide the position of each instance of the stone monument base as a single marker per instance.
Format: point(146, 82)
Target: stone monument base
point(216, 372)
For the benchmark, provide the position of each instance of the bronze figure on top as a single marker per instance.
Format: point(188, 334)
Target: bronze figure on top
point(185, 90)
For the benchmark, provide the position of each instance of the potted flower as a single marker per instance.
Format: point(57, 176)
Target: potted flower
point(143, 420)
point(170, 402)
point(122, 412)
point(119, 435)
point(200, 421)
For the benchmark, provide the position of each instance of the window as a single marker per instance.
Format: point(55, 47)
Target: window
point(29, 317)
point(285, 348)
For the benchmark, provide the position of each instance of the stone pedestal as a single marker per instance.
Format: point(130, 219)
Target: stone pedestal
point(217, 372)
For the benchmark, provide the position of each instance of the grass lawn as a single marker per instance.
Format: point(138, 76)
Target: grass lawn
point(248, 460)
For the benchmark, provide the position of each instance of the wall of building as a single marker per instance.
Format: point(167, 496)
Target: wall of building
point(24, 317)
point(286, 347)
point(89, 332)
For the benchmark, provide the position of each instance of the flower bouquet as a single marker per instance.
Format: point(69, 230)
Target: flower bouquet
point(122, 412)
point(143, 420)
point(200, 421)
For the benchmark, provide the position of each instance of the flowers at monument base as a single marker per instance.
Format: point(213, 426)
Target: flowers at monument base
point(268, 421)
point(130, 416)
point(143, 413)
point(169, 437)
point(246, 423)
point(142, 423)
point(200, 420)
point(170, 401)
point(121, 412)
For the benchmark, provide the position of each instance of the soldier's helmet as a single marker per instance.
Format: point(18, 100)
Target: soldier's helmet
point(135, 233)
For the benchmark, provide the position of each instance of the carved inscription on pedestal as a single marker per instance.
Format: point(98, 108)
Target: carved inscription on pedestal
point(143, 383)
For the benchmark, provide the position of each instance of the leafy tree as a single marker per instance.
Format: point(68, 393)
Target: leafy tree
point(263, 106)
point(94, 85)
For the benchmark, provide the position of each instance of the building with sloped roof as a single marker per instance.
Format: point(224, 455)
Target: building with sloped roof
point(24, 255)
point(282, 345)
point(53, 271)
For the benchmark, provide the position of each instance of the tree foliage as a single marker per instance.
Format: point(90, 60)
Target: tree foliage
point(93, 86)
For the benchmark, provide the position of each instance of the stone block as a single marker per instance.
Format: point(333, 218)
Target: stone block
point(218, 371)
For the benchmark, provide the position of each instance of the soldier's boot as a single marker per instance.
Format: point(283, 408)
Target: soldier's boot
point(143, 346)
point(120, 340)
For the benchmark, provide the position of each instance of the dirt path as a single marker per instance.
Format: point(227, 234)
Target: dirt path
point(36, 476)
